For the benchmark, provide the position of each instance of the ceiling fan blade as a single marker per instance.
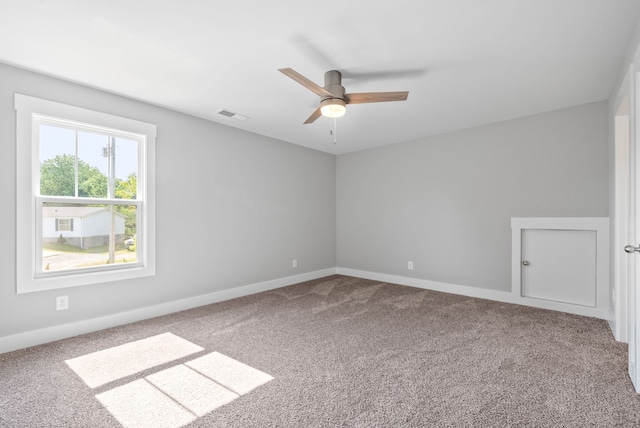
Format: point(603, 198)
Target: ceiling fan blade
point(316, 114)
point(317, 89)
point(375, 97)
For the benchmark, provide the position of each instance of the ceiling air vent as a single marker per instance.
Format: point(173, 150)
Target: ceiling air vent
point(236, 116)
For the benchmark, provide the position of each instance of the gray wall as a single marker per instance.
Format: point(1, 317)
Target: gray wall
point(445, 202)
point(233, 208)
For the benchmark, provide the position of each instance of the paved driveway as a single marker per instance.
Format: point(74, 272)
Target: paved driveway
point(60, 260)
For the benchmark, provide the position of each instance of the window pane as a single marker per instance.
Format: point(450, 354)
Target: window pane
point(126, 168)
point(57, 161)
point(76, 236)
point(93, 164)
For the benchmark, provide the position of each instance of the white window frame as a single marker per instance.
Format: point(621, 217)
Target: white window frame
point(27, 170)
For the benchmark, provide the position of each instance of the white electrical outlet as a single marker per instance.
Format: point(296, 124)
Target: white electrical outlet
point(62, 303)
point(410, 265)
point(295, 263)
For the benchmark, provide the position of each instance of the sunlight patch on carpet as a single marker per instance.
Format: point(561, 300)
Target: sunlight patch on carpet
point(175, 397)
point(194, 391)
point(102, 367)
point(141, 405)
point(170, 398)
point(232, 374)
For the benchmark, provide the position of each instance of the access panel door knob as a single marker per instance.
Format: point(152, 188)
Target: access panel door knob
point(631, 249)
point(525, 263)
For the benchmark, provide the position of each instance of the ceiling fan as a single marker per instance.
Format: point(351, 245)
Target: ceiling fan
point(333, 100)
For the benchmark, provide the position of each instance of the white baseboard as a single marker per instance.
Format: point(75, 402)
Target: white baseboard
point(481, 293)
point(50, 334)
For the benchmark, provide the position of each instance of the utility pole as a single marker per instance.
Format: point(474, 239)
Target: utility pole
point(111, 194)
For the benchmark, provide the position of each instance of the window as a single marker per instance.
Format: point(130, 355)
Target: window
point(85, 197)
point(64, 224)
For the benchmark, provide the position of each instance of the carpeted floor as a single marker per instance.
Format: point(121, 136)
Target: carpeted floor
point(334, 352)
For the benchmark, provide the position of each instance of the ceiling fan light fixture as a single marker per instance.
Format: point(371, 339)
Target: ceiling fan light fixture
point(333, 107)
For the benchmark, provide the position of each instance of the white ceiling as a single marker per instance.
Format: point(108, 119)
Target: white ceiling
point(464, 62)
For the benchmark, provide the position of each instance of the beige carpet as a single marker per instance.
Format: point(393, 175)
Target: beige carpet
point(337, 351)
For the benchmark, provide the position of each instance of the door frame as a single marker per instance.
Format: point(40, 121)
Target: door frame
point(621, 215)
point(633, 294)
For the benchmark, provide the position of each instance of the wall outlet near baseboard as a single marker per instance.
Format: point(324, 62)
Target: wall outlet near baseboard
point(294, 263)
point(410, 265)
point(62, 303)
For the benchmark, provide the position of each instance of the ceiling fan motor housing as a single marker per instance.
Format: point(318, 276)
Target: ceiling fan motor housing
point(333, 84)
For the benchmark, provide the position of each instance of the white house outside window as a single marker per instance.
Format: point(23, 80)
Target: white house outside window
point(85, 193)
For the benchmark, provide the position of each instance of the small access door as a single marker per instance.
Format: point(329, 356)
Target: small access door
point(559, 265)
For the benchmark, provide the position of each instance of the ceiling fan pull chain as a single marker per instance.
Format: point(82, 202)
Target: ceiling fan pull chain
point(335, 130)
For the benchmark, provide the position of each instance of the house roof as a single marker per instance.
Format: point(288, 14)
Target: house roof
point(464, 62)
